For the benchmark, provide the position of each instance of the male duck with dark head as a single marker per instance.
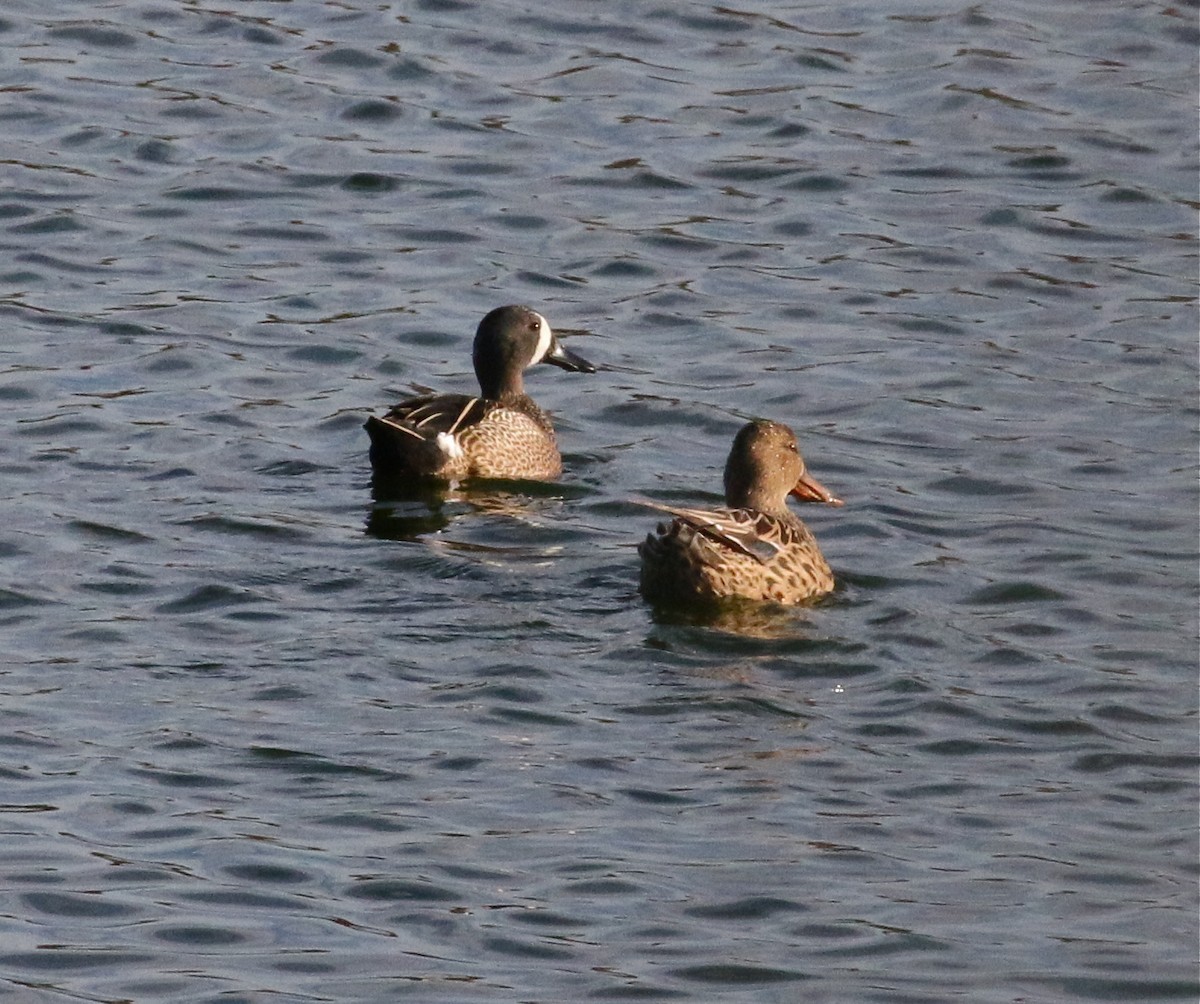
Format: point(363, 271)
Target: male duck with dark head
point(499, 434)
point(754, 548)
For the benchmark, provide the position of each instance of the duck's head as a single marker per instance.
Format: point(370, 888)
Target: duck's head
point(511, 339)
point(765, 467)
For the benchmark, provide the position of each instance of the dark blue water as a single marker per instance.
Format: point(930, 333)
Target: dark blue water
point(265, 737)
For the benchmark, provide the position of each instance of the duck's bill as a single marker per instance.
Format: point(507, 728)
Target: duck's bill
point(809, 489)
point(567, 360)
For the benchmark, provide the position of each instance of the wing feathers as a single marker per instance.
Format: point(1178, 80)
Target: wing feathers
point(756, 535)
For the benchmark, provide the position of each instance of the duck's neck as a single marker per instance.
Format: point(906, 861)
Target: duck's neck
point(754, 496)
point(501, 387)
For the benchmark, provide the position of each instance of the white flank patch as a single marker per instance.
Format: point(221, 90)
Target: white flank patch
point(545, 336)
point(449, 446)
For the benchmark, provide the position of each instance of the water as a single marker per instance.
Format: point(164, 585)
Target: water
point(268, 738)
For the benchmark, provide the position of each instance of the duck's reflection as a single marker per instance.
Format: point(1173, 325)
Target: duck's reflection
point(407, 509)
point(736, 616)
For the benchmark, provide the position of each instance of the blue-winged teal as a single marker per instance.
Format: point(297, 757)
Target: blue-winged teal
point(755, 548)
point(499, 434)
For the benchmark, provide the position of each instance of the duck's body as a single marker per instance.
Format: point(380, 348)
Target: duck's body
point(499, 434)
point(454, 437)
point(754, 547)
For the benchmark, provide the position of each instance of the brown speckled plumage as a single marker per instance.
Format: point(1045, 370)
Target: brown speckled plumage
point(754, 547)
point(499, 434)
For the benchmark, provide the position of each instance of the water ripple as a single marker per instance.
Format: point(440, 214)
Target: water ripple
point(270, 724)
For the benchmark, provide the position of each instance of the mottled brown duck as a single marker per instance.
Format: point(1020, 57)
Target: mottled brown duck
point(755, 547)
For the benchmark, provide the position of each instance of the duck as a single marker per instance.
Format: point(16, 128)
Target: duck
point(501, 432)
point(755, 547)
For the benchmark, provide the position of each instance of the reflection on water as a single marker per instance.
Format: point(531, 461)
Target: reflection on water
point(736, 616)
point(405, 509)
point(406, 521)
point(396, 745)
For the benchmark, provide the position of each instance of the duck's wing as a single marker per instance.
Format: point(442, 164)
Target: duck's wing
point(757, 535)
point(435, 415)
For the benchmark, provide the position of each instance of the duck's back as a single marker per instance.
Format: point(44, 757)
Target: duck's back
point(710, 555)
point(456, 436)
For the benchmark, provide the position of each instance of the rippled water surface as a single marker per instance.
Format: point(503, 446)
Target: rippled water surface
point(267, 737)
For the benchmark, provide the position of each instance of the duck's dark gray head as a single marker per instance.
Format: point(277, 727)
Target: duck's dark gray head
point(511, 339)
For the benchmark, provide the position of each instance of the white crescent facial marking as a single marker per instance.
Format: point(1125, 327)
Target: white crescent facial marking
point(545, 336)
